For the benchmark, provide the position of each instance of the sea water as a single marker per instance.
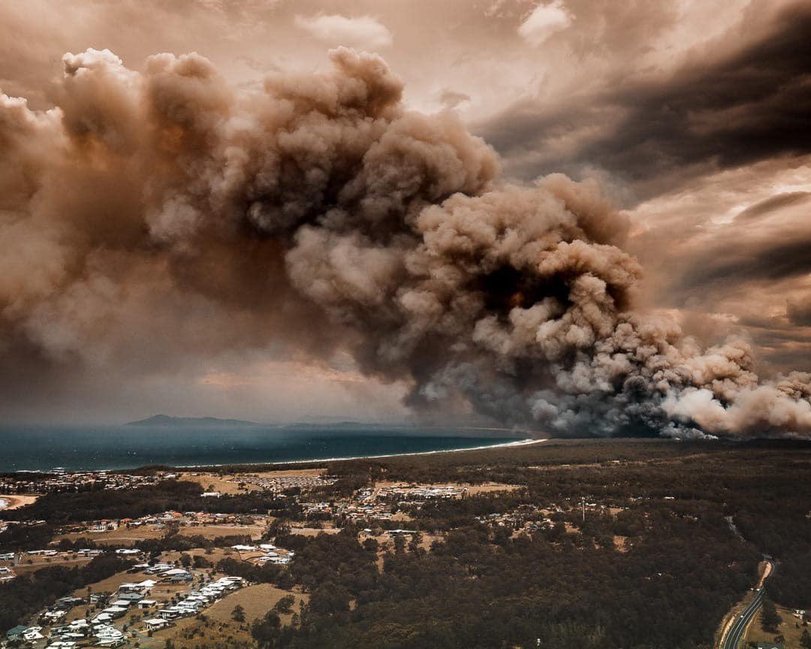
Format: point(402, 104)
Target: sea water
point(30, 448)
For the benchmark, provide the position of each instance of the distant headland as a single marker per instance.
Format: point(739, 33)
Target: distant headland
point(166, 420)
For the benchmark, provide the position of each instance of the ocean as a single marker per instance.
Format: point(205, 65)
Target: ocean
point(29, 448)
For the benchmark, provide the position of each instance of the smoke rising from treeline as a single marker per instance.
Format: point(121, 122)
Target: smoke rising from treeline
point(321, 213)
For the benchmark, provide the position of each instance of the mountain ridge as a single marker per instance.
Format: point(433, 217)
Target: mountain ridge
point(167, 420)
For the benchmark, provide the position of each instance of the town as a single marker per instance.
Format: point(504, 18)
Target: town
point(247, 557)
point(144, 602)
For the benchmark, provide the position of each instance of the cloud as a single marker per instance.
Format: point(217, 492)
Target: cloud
point(184, 217)
point(745, 103)
point(452, 99)
point(767, 242)
point(168, 210)
point(773, 203)
point(335, 29)
point(800, 312)
point(730, 246)
point(544, 21)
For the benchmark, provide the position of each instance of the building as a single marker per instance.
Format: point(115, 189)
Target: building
point(177, 575)
point(32, 634)
point(156, 624)
point(16, 634)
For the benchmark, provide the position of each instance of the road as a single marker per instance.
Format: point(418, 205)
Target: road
point(738, 629)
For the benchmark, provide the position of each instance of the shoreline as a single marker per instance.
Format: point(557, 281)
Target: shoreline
point(512, 443)
point(9, 502)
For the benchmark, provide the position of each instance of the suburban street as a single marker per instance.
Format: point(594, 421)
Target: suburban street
point(736, 632)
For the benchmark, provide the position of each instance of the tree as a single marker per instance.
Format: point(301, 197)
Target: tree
point(267, 630)
point(285, 604)
point(201, 562)
point(238, 614)
point(769, 619)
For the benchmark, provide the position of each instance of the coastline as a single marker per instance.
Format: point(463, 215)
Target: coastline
point(311, 460)
point(8, 502)
point(520, 442)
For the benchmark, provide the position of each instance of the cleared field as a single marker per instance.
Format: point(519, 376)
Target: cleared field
point(236, 483)
point(490, 487)
point(218, 629)
point(256, 600)
point(291, 473)
point(212, 556)
point(125, 536)
point(212, 531)
point(191, 633)
point(111, 584)
point(790, 628)
point(224, 484)
point(31, 564)
point(313, 531)
point(466, 488)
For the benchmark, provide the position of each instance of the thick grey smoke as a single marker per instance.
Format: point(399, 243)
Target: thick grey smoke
point(320, 212)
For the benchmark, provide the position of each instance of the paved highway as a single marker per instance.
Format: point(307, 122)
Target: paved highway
point(738, 628)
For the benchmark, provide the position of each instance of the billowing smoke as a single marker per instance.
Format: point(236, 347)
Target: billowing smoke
point(321, 213)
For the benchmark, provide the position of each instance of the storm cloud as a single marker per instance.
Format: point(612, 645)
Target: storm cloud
point(156, 214)
point(731, 103)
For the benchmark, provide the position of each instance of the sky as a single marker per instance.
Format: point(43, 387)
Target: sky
point(691, 117)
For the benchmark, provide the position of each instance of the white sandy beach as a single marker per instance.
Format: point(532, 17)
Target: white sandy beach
point(520, 442)
point(15, 502)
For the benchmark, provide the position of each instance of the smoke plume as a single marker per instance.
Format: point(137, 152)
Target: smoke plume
point(321, 213)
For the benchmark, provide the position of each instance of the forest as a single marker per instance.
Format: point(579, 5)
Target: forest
point(685, 564)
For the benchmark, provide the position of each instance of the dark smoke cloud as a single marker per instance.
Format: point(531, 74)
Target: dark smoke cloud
point(771, 240)
point(771, 204)
point(799, 312)
point(167, 209)
point(748, 105)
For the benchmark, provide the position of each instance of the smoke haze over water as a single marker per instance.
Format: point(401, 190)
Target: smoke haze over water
point(162, 214)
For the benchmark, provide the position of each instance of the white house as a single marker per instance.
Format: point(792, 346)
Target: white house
point(156, 623)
